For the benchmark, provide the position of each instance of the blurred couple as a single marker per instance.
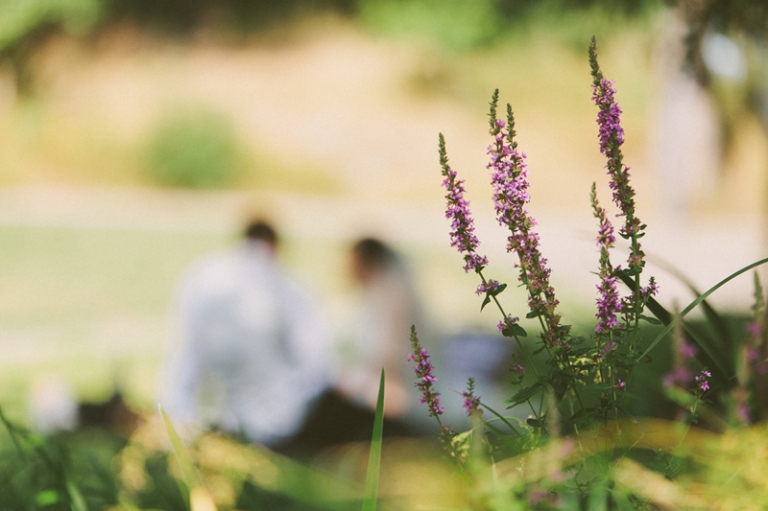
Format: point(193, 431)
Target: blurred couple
point(255, 355)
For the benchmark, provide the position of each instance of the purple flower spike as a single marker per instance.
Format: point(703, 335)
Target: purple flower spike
point(609, 118)
point(510, 185)
point(611, 136)
point(457, 211)
point(424, 370)
point(471, 402)
point(608, 303)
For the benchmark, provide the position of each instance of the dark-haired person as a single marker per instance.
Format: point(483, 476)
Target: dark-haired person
point(253, 351)
point(387, 308)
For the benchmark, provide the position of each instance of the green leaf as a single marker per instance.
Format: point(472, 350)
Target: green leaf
point(631, 272)
point(578, 352)
point(191, 478)
point(722, 334)
point(525, 394)
point(501, 418)
point(374, 459)
point(492, 293)
point(500, 289)
point(47, 498)
point(650, 320)
point(716, 367)
point(514, 330)
point(76, 498)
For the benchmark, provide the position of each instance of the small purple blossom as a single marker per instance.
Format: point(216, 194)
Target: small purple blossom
point(755, 329)
point(702, 381)
point(679, 377)
point(742, 413)
point(471, 402)
point(517, 370)
point(651, 290)
point(682, 376)
point(489, 286)
point(620, 386)
point(424, 370)
point(507, 323)
point(687, 350)
point(608, 348)
point(457, 211)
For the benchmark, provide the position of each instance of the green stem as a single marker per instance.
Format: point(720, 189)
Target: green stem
point(528, 359)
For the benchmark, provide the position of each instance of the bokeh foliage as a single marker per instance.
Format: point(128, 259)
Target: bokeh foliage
point(193, 148)
point(25, 25)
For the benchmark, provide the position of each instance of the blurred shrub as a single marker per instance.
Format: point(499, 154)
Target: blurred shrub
point(193, 149)
point(456, 23)
point(464, 25)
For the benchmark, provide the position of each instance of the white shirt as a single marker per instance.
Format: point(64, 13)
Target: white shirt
point(253, 351)
point(381, 338)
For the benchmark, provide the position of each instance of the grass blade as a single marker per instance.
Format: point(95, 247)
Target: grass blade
point(693, 305)
point(374, 459)
point(198, 498)
point(714, 318)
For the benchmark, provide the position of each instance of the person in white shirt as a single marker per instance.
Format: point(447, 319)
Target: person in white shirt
point(380, 337)
point(253, 352)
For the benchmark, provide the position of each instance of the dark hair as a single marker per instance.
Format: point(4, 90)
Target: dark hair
point(259, 230)
point(373, 253)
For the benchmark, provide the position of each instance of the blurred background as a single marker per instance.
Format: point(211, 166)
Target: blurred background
point(138, 135)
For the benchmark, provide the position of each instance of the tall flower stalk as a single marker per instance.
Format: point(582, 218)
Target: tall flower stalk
point(509, 179)
point(426, 384)
point(457, 211)
point(464, 240)
point(584, 382)
point(611, 136)
point(510, 197)
point(609, 303)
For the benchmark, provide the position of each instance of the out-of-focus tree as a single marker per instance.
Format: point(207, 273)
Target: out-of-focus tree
point(25, 24)
point(742, 18)
point(465, 25)
point(727, 52)
point(461, 24)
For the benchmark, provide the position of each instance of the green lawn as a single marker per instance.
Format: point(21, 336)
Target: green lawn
point(89, 305)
